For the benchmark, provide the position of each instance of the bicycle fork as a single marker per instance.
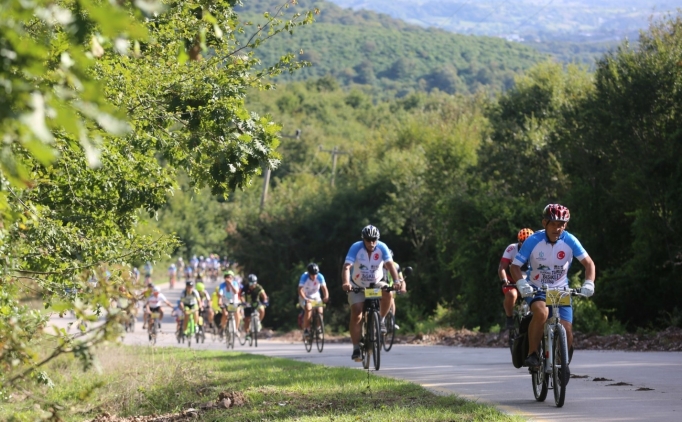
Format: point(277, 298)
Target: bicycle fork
point(549, 345)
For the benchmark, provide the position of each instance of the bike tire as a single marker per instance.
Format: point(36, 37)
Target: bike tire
point(376, 340)
point(389, 337)
point(154, 334)
point(240, 337)
point(255, 332)
point(229, 336)
point(366, 348)
point(559, 375)
point(318, 325)
point(539, 379)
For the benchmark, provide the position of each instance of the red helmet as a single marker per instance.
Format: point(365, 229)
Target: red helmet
point(556, 212)
point(524, 234)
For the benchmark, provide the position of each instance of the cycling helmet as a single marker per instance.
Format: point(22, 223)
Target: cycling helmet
point(156, 289)
point(313, 268)
point(370, 233)
point(189, 283)
point(252, 279)
point(556, 212)
point(228, 273)
point(200, 286)
point(524, 234)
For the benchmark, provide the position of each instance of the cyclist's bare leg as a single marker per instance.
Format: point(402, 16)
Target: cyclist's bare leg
point(510, 297)
point(385, 303)
point(536, 327)
point(185, 320)
point(307, 316)
point(223, 320)
point(247, 323)
point(261, 313)
point(355, 319)
point(237, 317)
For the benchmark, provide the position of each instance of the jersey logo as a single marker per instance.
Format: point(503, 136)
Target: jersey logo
point(509, 249)
point(536, 277)
point(561, 255)
point(376, 256)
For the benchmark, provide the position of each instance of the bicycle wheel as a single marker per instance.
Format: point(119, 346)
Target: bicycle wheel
point(376, 340)
point(560, 371)
point(539, 378)
point(318, 326)
point(241, 335)
point(152, 336)
point(229, 336)
point(254, 322)
point(513, 332)
point(366, 342)
point(390, 331)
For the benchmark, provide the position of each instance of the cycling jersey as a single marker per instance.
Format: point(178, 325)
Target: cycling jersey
point(549, 263)
point(367, 268)
point(190, 299)
point(227, 293)
point(156, 301)
point(508, 257)
point(253, 293)
point(311, 288)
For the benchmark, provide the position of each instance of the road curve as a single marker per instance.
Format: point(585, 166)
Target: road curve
point(639, 386)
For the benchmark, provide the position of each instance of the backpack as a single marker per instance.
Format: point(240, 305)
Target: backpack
point(521, 345)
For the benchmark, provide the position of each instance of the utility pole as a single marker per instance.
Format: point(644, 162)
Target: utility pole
point(266, 173)
point(335, 152)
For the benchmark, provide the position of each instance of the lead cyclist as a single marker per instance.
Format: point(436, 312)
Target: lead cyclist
point(550, 253)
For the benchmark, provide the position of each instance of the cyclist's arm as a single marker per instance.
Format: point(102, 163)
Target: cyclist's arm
point(502, 270)
point(590, 271)
point(516, 272)
point(391, 269)
point(345, 277)
point(301, 294)
point(325, 293)
point(265, 297)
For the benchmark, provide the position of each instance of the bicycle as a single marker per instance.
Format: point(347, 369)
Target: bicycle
point(316, 330)
point(153, 326)
point(231, 327)
point(252, 336)
point(191, 330)
point(553, 372)
point(391, 327)
point(370, 342)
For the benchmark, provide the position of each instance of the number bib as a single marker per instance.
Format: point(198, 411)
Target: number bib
point(156, 315)
point(231, 308)
point(316, 303)
point(373, 293)
point(558, 297)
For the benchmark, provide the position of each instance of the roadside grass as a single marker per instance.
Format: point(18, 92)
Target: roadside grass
point(138, 381)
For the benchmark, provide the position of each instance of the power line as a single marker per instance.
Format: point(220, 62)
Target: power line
point(455, 13)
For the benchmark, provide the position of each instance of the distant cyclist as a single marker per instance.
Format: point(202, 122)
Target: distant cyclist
point(310, 285)
point(154, 302)
point(389, 280)
point(364, 266)
point(253, 294)
point(205, 302)
point(549, 253)
point(190, 301)
point(508, 286)
point(172, 275)
point(228, 292)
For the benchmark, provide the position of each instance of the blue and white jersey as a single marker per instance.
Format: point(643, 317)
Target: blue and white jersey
point(311, 288)
point(227, 293)
point(549, 263)
point(365, 268)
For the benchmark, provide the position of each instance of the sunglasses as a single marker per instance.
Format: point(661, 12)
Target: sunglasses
point(371, 239)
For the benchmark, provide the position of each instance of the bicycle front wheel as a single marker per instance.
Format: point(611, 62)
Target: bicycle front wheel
point(318, 327)
point(389, 337)
point(229, 338)
point(366, 340)
point(375, 340)
point(539, 378)
point(560, 372)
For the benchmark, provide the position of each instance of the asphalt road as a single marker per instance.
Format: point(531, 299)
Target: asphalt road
point(639, 386)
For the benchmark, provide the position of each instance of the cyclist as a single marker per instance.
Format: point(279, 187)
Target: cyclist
point(179, 315)
point(549, 253)
point(228, 291)
point(148, 270)
point(309, 287)
point(508, 288)
point(190, 300)
point(154, 302)
point(172, 272)
point(135, 274)
point(217, 311)
point(253, 293)
point(205, 302)
point(364, 265)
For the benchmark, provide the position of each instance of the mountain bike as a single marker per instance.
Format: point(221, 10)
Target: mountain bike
point(191, 330)
point(316, 330)
point(389, 321)
point(254, 328)
point(553, 372)
point(231, 332)
point(370, 342)
point(153, 327)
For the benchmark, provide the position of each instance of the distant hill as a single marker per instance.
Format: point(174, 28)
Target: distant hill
point(390, 55)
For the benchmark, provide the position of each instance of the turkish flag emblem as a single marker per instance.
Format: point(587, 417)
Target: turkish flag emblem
point(376, 256)
point(509, 249)
point(561, 255)
point(536, 277)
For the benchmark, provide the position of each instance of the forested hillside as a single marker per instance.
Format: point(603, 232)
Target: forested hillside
point(391, 57)
point(450, 180)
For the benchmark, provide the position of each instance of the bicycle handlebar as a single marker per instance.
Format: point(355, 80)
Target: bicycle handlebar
point(384, 287)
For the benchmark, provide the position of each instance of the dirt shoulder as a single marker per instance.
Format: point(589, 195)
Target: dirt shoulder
point(669, 340)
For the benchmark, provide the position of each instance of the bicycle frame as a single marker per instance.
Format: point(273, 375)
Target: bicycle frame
point(553, 323)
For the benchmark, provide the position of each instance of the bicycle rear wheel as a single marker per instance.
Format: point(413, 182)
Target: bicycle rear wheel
point(366, 341)
point(254, 322)
point(375, 339)
point(318, 326)
point(390, 331)
point(308, 338)
point(560, 371)
point(229, 337)
point(539, 378)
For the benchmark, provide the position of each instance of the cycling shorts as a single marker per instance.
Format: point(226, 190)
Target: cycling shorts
point(359, 297)
point(248, 310)
point(508, 287)
point(302, 301)
point(190, 307)
point(156, 309)
point(565, 312)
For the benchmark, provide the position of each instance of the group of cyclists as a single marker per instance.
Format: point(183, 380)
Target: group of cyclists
point(537, 258)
